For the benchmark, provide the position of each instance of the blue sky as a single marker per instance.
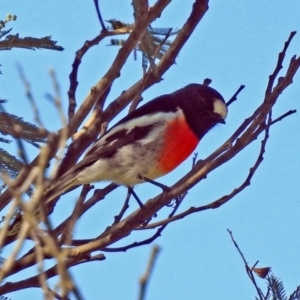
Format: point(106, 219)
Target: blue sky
point(236, 43)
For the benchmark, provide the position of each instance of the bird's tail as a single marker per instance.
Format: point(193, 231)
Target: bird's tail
point(61, 186)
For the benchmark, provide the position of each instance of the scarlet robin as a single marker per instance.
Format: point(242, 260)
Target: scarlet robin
point(150, 141)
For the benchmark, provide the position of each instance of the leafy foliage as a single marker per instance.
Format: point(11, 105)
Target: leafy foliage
point(276, 288)
point(9, 17)
point(151, 45)
point(9, 164)
point(16, 127)
point(14, 41)
point(296, 294)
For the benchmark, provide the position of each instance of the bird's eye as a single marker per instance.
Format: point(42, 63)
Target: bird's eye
point(219, 119)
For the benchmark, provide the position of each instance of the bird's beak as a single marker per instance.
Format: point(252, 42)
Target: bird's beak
point(222, 121)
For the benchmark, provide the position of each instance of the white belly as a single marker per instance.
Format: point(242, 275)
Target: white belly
point(125, 166)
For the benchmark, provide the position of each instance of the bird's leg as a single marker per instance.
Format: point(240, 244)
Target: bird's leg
point(135, 196)
point(165, 188)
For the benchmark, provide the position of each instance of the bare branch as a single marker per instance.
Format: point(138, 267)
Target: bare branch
point(29, 96)
point(248, 269)
point(51, 272)
point(144, 279)
point(290, 112)
point(234, 97)
point(281, 57)
point(99, 15)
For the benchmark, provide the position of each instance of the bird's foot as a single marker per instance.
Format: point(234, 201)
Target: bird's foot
point(165, 188)
point(135, 196)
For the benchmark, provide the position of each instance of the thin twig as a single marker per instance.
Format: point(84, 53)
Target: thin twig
point(125, 206)
point(51, 272)
point(67, 234)
point(207, 81)
point(29, 96)
point(194, 159)
point(40, 263)
point(99, 194)
point(57, 97)
point(145, 278)
point(234, 97)
point(96, 2)
point(152, 70)
point(290, 112)
point(248, 269)
point(278, 67)
point(153, 237)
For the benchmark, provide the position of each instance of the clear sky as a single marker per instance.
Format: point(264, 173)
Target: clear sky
point(236, 43)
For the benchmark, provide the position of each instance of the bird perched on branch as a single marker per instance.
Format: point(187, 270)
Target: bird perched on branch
point(150, 141)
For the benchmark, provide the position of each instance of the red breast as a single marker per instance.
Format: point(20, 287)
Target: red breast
point(179, 143)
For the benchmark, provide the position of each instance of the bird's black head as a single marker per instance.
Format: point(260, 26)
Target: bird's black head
point(202, 106)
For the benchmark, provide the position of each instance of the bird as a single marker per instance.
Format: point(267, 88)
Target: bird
point(149, 142)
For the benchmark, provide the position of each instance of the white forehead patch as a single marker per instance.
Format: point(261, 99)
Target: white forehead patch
point(220, 108)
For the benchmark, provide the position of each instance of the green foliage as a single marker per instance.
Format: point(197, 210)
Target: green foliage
point(18, 129)
point(116, 24)
point(276, 290)
point(296, 294)
point(153, 45)
point(275, 285)
point(9, 164)
point(14, 41)
point(9, 17)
